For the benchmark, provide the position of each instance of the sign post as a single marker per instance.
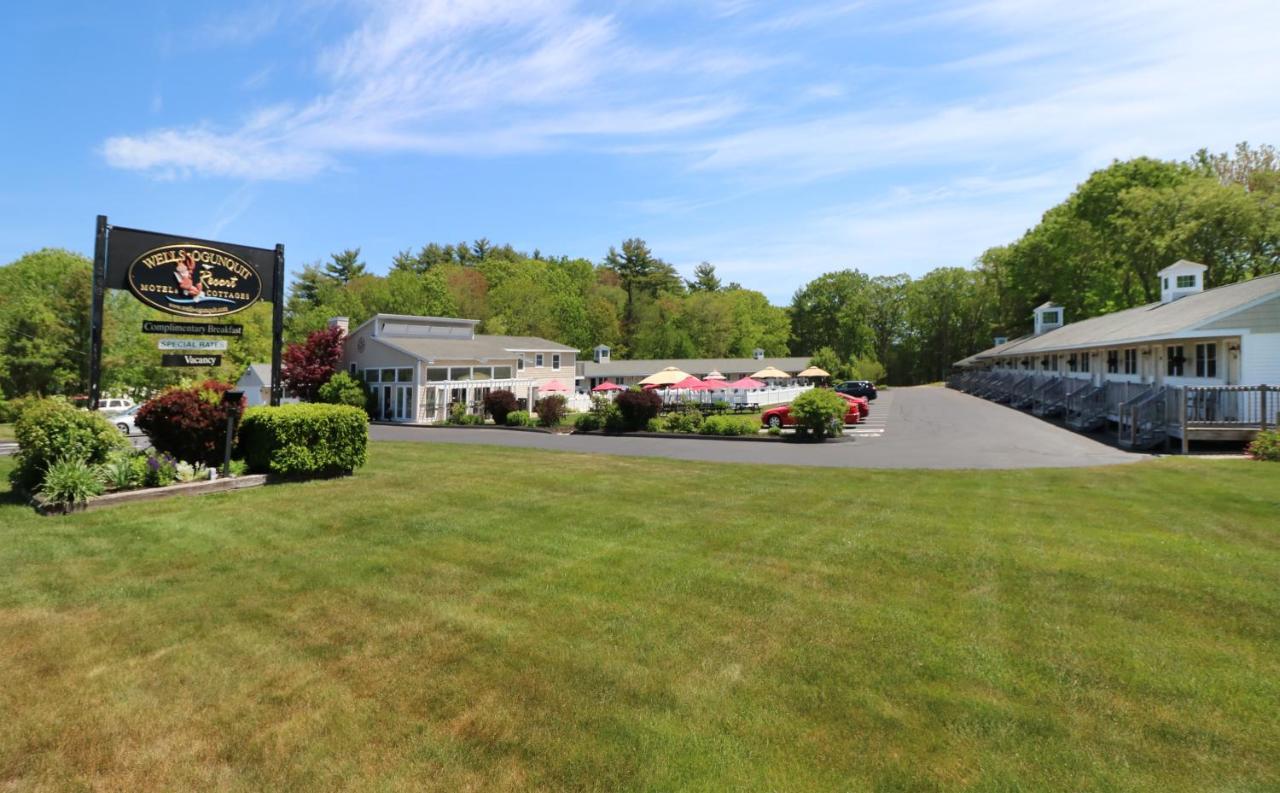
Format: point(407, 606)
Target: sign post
point(187, 277)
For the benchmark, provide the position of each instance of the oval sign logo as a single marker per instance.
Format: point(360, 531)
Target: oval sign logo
point(194, 281)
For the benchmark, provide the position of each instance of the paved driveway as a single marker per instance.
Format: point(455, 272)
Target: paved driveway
point(923, 427)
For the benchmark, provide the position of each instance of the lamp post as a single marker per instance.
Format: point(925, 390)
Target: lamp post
point(232, 400)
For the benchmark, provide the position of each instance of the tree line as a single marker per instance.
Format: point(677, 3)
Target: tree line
point(1095, 252)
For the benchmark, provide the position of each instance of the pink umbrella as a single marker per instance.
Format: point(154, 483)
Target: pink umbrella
point(689, 382)
point(554, 385)
point(745, 382)
point(709, 385)
point(608, 385)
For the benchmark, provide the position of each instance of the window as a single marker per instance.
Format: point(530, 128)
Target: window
point(520, 363)
point(1072, 362)
point(555, 361)
point(502, 373)
point(1186, 281)
point(481, 372)
point(1113, 361)
point(460, 373)
point(1050, 317)
point(1207, 360)
point(404, 375)
point(353, 369)
point(437, 374)
point(371, 375)
point(1131, 360)
point(1084, 361)
point(1166, 284)
point(388, 375)
point(537, 360)
point(1174, 360)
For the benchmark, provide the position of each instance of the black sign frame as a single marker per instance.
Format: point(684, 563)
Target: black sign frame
point(116, 248)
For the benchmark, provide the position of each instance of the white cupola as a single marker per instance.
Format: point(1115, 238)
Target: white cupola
point(1180, 279)
point(601, 352)
point(1048, 317)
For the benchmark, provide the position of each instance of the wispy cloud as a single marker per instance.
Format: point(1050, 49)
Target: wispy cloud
point(485, 76)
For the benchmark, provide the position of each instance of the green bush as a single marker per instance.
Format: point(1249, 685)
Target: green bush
point(686, 421)
point(727, 425)
point(550, 410)
point(775, 430)
point(1266, 446)
point(11, 409)
point(587, 422)
point(343, 389)
point(50, 429)
point(70, 480)
point(614, 421)
point(457, 413)
point(124, 470)
point(518, 418)
point(819, 412)
point(304, 439)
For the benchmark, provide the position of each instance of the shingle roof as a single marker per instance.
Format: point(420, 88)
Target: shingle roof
point(478, 348)
point(262, 371)
point(1151, 322)
point(694, 366)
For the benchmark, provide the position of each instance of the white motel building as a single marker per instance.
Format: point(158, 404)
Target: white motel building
point(417, 367)
point(1197, 364)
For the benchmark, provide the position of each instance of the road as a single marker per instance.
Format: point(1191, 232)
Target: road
point(922, 427)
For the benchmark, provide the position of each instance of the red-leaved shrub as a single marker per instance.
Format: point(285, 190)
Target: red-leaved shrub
point(188, 423)
point(306, 366)
point(499, 403)
point(637, 408)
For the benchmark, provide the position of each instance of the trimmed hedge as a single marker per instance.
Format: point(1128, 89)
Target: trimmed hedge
point(304, 439)
point(51, 429)
point(727, 425)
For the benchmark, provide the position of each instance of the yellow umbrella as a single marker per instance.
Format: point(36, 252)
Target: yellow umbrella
point(668, 376)
point(770, 373)
point(814, 371)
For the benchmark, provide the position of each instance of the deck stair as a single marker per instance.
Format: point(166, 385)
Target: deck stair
point(1143, 421)
point(1086, 408)
point(1020, 393)
point(1049, 397)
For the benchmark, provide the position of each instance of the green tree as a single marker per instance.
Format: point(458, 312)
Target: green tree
point(833, 310)
point(346, 266)
point(44, 323)
point(704, 279)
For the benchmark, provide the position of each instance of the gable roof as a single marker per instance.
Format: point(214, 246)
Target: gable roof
point(261, 371)
point(1151, 322)
point(480, 348)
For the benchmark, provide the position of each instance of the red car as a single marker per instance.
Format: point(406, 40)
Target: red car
point(781, 415)
point(864, 404)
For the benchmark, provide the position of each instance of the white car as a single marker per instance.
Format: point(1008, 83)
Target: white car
point(109, 406)
point(124, 421)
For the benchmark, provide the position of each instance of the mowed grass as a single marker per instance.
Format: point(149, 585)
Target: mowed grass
point(6, 432)
point(471, 618)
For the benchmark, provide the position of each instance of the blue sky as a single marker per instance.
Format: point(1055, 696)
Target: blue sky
point(776, 140)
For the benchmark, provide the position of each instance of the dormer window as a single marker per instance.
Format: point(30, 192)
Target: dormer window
point(1186, 281)
point(1051, 317)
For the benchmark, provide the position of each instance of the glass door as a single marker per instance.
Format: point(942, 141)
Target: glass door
point(404, 402)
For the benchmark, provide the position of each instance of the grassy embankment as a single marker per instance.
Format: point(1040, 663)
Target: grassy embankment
point(472, 618)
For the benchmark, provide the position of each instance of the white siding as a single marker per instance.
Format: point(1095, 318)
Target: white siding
point(1260, 359)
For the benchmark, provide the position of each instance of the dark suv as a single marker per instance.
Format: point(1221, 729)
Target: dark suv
point(862, 388)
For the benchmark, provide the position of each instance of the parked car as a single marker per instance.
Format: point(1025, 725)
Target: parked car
point(858, 388)
point(781, 415)
point(863, 405)
point(124, 421)
point(112, 405)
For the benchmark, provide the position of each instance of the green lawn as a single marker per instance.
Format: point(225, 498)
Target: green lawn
point(467, 618)
point(6, 432)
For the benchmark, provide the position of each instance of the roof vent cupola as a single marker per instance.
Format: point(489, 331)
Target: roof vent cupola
point(1048, 317)
point(601, 353)
point(758, 354)
point(1180, 279)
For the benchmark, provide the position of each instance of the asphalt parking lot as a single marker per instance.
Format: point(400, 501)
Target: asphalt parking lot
point(921, 427)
